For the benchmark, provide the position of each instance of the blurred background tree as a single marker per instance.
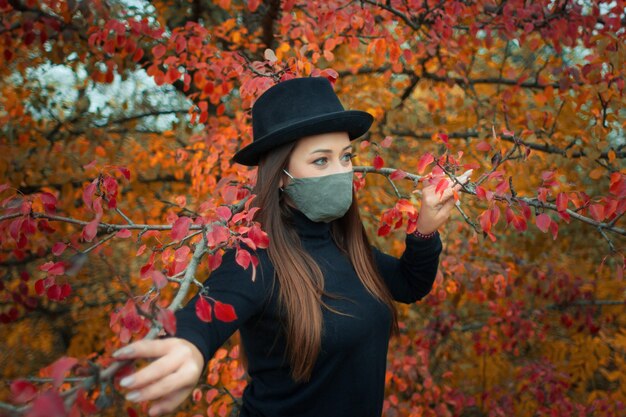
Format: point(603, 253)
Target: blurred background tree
point(148, 100)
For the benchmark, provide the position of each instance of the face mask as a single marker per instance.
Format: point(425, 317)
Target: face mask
point(322, 199)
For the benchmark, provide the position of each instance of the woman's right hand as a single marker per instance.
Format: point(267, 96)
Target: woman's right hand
point(169, 379)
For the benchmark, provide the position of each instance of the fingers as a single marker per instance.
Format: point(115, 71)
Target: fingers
point(161, 388)
point(153, 372)
point(144, 349)
point(169, 402)
point(455, 187)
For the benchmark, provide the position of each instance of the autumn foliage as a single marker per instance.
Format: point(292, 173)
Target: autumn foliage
point(118, 196)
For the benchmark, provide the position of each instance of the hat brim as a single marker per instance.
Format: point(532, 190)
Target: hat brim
point(354, 122)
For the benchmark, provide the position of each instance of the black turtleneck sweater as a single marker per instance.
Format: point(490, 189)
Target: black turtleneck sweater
point(349, 375)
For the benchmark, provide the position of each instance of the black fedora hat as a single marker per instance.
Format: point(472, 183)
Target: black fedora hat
point(296, 108)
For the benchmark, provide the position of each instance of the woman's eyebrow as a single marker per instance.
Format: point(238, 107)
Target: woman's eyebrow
point(330, 150)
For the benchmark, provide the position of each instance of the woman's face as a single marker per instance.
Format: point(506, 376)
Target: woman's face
point(320, 155)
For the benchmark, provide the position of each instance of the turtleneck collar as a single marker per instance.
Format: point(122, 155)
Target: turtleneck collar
point(307, 228)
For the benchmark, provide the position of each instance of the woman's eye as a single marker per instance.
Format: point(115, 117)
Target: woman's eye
point(348, 156)
point(320, 161)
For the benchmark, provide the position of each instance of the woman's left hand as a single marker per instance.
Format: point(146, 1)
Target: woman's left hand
point(436, 206)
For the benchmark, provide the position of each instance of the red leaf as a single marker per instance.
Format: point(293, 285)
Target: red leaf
point(210, 395)
point(58, 248)
point(251, 212)
point(223, 212)
point(22, 391)
point(159, 50)
point(203, 309)
point(554, 229)
point(159, 279)
point(519, 222)
point(483, 146)
point(253, 5)
point(597, 211)
point(46, 267)
point(181, 253)
point(168, 320)
point(485, 220)
point(405, 206)
point(398, 174)
point(145, 269)
point(218, 234)
point(138, 54)
point(229, 194)
point(561, 202)
point(90, 230)
point(39, 286)
point(543, 222)
point(58, 268)
point(483, 194)
point(54, 292)
point(123, 234)
point(88, 194)
point(384, 230)
point(48, 404)
point(66, 290)
point(243, 258)
point(259, 237)
point(237, 217)
point(97, 206)
point(60, 367)
point(49, 201)
point(424, 161)
point(141, 249)
point(215, 261)
point(386, 142)
point(15, 227)
point(224, 312)
point(124, 172)
point(378, 162)
point(495, 215)
point(180, 228)
point(110, 186)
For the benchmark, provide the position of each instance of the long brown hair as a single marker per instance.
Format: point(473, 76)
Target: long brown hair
point(300, 279)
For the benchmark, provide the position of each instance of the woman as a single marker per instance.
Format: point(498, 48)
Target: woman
point(315, 323)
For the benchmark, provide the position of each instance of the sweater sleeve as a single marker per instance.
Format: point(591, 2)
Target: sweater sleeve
point(230, 284)
point(410, 278)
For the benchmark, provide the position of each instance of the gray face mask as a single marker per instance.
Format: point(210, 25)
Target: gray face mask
point(321, 199)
